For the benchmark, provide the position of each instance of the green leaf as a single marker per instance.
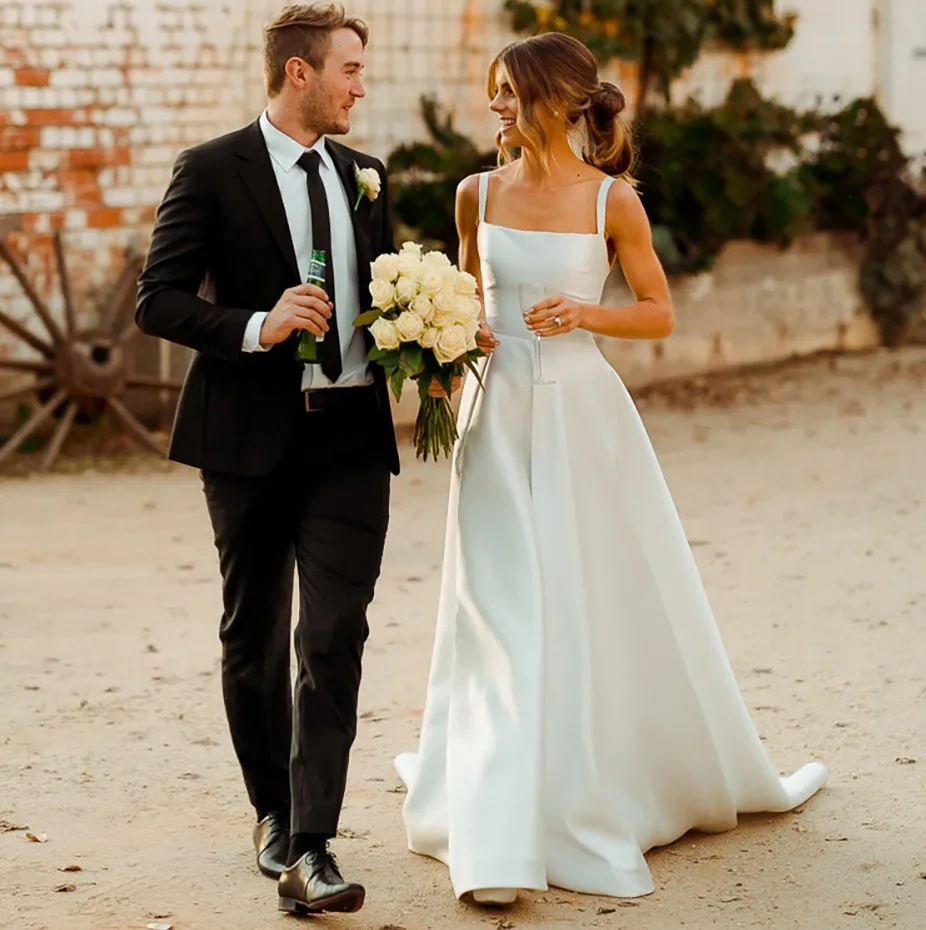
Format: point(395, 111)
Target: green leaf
point(470, 364)
point(365, 319)
point(386, 357)
point(396, 382)
point(412, 359)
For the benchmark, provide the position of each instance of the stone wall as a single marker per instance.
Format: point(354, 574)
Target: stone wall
point(757, 304)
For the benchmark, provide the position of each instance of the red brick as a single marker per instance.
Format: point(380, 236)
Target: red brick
point(98, 158)
point(14, 161)
point(104, 218)
point(55, 117)
point(82, 185)
point(13, 138)
point(32, 77)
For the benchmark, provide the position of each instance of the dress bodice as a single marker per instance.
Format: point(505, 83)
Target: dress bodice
point(522, 266)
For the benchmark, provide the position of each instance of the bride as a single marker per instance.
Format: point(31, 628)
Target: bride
point(581, 708)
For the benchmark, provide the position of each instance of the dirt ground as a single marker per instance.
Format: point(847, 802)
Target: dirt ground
point(802, 490)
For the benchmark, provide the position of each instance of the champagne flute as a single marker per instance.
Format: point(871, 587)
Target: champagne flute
point(529, 295)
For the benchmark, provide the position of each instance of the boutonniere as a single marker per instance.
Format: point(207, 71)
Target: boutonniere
point(369, 184)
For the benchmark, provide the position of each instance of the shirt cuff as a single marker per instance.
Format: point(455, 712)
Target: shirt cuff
point(251, 341)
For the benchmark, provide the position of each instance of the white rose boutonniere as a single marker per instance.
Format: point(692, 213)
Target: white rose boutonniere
point(369, 183)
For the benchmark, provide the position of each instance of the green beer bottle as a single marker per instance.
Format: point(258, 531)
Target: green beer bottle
point(308, 349)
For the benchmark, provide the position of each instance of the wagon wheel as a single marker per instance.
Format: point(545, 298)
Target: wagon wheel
point(79, 373)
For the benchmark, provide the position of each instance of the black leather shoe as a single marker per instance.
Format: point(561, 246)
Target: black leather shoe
point(314, 884)
point(271, 840)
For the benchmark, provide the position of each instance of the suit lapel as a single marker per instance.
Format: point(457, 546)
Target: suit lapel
point(257, 173)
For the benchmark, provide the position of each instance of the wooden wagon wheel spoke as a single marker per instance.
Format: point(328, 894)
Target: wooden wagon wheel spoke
point(40, 306)
point(64, 281)
point(152, 383)
point(17, 329)
point(133, 425)
point(24, 390)
point(25, 364)
point(60, 434)
point(130, 331)
point(32, 424)
point(125, 288)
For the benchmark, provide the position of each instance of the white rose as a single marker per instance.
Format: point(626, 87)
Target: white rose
point(412, 247)
point(386, 267)
point(430, 280)
point(383, 294)
point(369, 182)
point(442, 320)
point(445, 301)
point(471, 327)
point(410, 326)
point(436, 260)
point(406, 290)
point(463, 309)
point(429, 338)
point(385, 334)
point(409, 264)
point(451, 345)
point(423, 307)
point(466, 284)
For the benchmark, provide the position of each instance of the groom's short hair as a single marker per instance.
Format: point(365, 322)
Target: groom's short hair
point(304, 31)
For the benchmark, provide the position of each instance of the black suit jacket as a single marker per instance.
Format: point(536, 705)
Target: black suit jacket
point(222, 221)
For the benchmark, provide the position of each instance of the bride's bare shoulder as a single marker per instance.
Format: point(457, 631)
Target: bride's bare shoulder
point(468, 188)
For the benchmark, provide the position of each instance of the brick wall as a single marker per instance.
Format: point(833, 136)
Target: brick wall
point(96, 99)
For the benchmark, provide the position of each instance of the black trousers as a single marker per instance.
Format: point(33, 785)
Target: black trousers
point(323, 512)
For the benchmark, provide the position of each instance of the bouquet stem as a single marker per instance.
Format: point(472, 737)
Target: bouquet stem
point(435, 428)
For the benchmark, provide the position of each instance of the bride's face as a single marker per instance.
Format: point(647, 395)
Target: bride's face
point(505, 106)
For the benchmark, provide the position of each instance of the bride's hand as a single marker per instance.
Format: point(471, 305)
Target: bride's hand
point(555, 316)
point(485, 339)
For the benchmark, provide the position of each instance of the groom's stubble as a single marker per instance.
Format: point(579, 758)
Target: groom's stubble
point(334, 88)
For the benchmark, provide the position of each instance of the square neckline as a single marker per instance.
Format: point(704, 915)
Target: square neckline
point(600, 211)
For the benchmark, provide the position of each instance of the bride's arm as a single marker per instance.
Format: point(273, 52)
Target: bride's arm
point(466, 213)
point(651, 316)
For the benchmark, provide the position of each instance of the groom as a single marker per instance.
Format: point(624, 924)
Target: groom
point(295, 459)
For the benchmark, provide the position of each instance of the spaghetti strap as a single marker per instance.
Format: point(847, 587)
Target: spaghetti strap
point(603, 203)
point(483, 195)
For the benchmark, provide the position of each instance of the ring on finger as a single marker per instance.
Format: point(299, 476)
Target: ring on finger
point(557, 321)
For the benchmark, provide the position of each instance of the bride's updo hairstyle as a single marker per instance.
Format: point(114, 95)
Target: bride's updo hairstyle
point(557, 73)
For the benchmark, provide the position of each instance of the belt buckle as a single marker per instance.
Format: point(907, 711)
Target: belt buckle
point(308, 403)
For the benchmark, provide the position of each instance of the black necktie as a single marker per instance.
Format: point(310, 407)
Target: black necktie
point(310, 162)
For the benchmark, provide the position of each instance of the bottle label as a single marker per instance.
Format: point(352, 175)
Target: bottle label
point(316, 273)
point(316, 276)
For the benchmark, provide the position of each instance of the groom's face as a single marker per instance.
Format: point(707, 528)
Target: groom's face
point(332, 91)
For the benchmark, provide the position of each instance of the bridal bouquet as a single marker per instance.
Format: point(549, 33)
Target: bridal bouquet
point(424, 321)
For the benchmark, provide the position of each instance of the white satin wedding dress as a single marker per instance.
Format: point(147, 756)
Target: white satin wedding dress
point(581, 708)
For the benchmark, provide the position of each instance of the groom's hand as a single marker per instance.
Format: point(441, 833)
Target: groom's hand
point(305, 307)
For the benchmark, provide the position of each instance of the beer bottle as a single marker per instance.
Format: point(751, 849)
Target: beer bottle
point(308, 349)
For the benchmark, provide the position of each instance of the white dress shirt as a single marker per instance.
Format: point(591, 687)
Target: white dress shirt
point(285, 152)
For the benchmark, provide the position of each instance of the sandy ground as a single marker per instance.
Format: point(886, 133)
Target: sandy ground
point(802, 491)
